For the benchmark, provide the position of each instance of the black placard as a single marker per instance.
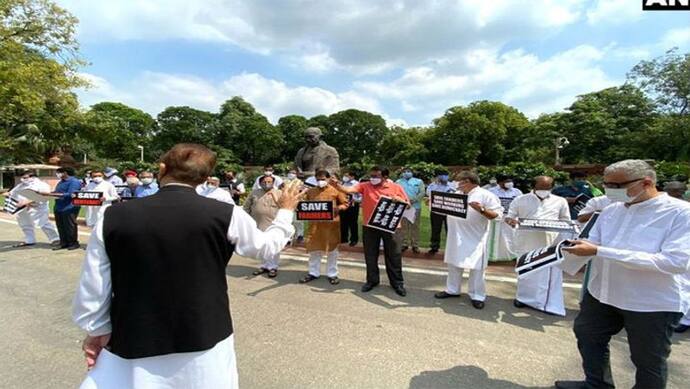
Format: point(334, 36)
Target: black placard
point(11, 207)
point(387, 215)
point(315, 210)
point(449, 204)
point(584, 234)
point(539, 258)
point(580, 203)
point(87, 199)
point(505, 202)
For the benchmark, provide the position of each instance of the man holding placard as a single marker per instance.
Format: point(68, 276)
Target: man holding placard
point(66, 213)
point(33, 213)
point(467, 237)
point(379, 188)
point(323, 236)
point(108, 195)
point(541, 289)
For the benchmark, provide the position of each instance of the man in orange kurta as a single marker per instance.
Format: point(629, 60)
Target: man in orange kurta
point(323, 237)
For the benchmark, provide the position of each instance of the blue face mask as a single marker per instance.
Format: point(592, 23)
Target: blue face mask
point(407, 175)
point(443, 178)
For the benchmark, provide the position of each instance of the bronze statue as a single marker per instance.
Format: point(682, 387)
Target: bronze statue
point(316, 154)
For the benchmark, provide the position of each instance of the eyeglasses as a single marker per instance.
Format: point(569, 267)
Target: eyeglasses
point(618, 185)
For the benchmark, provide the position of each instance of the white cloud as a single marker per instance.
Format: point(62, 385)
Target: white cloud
point(679, 37)
point(358, 35)
point(614, 12)
point(518, 78)
point(153, 92)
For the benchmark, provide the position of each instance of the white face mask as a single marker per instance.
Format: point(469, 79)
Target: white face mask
point(322, 183)
point(346, 179)
point(509, 185)
point(58, 175)
point(291, 176)
point(375, 181)
point(211, 186)
point(146, 181)
point(542, 194)
point(268, 173)
point(25, 180)
point(97, 180)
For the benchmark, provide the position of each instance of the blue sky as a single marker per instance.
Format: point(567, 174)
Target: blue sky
point(406, 60)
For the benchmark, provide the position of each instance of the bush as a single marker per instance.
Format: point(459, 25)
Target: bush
point(672, 171)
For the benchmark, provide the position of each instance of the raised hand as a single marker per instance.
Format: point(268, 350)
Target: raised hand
point(292, 194)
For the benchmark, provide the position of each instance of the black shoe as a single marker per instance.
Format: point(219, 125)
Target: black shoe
point(404, 248)
point(353, 244)
point(445, 295)
point(307, 278)
point(333, 280)
point(400, 290)
point(680, 328)
point(415, 250)
point(432, 251)
point(55, 243)
point(478, 304)
point(61, 247)
point(570, 384)
point(368, 286)
point(73, 247)
point(518, 304)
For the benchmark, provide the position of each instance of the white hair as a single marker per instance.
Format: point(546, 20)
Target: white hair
point(633, 169)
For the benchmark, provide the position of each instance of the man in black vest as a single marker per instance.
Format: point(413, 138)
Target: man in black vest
point(153, 292)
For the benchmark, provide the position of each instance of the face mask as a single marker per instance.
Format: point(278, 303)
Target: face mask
point(268, 173)
point(621, 194)
point(132, 181)
point(375, 181)
point(322, 183)
point(407, 175)
point(147, 181)
point(443, 178)
point(346, 179)
point(509, 185)
point(97, 180)
point(492, 181)
point(266, 187)
point(542, 194)
point(211, 186)
point(291, 176)
point(25, 180)
point(58, 175)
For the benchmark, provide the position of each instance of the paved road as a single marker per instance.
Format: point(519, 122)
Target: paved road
point(317, 336)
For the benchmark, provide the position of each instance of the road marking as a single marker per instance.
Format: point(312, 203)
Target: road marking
point(406, 269)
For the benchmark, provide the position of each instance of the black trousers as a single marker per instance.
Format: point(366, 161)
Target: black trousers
point(649, 339)
point(349, 228)
point(371, 237)
point(66, 223)
point(438, 222)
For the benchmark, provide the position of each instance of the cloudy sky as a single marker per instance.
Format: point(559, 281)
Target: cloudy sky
point(406, 60)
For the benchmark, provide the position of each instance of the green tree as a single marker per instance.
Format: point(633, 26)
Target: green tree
point(184, 124)
point(38, 60)
point(115, 130)
point(247, 133)
point(292, 128)
point(666, 79)
point(403, 146)
point(355, 134)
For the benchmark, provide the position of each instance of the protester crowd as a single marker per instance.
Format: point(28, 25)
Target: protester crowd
point(637, 276)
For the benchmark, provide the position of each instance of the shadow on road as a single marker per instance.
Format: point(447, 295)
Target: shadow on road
point(496, 310)
point(6, 246)
point(461, 377)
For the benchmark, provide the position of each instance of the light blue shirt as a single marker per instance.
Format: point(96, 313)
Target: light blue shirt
point(439, 187)
point(414, 188)
point(146, 190)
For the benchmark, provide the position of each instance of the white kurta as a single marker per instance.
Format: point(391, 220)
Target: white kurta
point(213, 368)
point(466, 246)
point(94, 214)
point(36, 214)
point(541, 289)
point(215, 193)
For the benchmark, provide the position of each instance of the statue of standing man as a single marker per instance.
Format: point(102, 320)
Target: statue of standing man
point(316, 154)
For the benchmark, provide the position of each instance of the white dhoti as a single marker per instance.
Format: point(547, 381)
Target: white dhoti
point(271, 263)
point(93, 214)
point(331, 263)
point(685, 320)
point(213, 368)
point(543, 290)
point(32, 217)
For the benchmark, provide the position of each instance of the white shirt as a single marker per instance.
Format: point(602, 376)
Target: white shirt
point(114, 179)
point(215, 193)
point(595, 204)
point(643, 256)
point(33, 184)
point(277, 182)
point(93, 213)
point(466, 244)
point(530, 206)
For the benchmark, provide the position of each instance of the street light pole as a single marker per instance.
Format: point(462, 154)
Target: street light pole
point(141, 153)
point(560, 143)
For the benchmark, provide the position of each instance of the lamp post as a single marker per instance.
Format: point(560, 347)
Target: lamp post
point(141, 153)
point(560, 142)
